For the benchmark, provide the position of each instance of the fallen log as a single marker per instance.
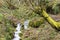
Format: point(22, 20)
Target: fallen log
point(50, 20)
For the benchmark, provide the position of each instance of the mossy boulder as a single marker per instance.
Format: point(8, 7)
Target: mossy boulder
point(36, 22)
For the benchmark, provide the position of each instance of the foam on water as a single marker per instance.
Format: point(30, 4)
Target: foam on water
point(26, 24)
point(18, 30)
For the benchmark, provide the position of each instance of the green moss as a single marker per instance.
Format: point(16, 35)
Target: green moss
point(36, 22)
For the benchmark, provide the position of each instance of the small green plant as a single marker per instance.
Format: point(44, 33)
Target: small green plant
point(56, 9)
point(1, 17)
point(9, 29)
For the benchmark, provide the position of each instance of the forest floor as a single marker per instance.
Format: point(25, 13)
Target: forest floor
point(44, 32)
point(10, 17)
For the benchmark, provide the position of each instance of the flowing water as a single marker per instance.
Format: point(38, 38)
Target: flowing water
point(26, 23)
point(18, 30)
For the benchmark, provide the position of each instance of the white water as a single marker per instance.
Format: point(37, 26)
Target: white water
point(26, 24)
point(18, 30)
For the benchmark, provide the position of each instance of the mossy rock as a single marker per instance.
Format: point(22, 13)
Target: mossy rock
point(36, 22)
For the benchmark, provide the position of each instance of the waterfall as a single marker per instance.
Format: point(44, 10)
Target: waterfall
point(18, 30)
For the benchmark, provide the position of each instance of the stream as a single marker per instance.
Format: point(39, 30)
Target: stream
point(18, 30)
